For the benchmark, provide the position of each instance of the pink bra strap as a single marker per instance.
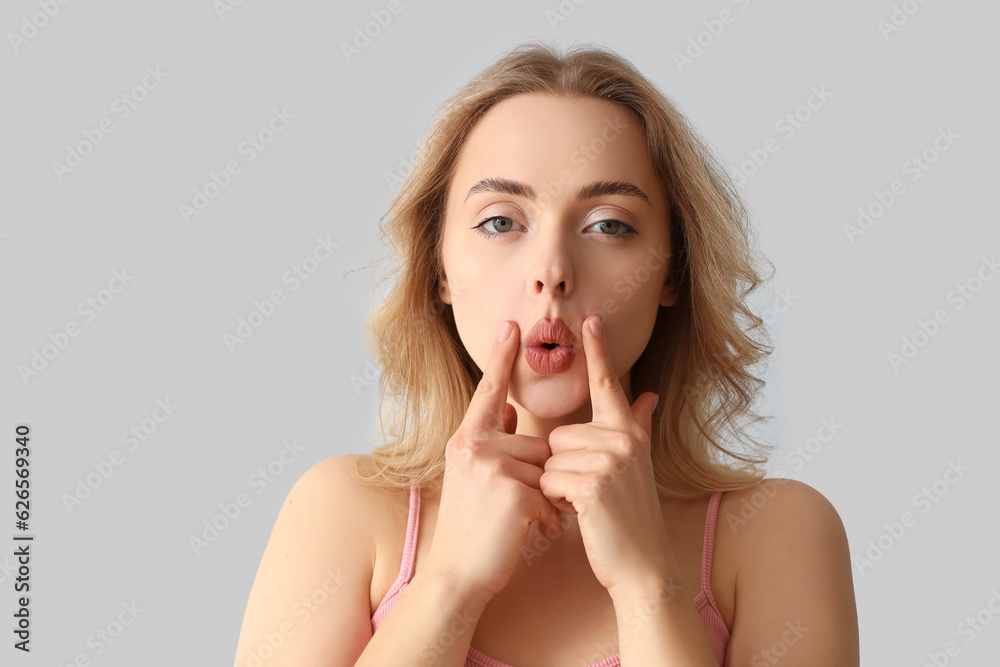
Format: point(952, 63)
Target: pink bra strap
point(412, 529)
point(708, 546)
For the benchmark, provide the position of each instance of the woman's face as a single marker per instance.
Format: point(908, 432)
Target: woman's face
point(581, 228)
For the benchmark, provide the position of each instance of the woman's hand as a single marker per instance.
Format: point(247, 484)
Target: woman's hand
point(490, 495)
point(603, 471)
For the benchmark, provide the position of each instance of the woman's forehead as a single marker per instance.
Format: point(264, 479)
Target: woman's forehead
point(553, 143)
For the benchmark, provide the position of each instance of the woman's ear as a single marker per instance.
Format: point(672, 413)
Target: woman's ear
point(668, 296)
point(443, 291)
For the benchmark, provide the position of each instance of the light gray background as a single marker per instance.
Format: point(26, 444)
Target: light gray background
point(301, 375)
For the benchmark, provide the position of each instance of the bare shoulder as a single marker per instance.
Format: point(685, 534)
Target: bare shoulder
point(780, 519)
point(778, 506)
point(335, 470)
point(330, 487)
point(315, 572)
point(331, 480)
point(370, 515)
point(794, 582)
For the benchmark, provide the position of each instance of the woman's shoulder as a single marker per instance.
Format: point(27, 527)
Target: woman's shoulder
point(776, 503)
point(322, 541)
point(791, 556)
point(783, 528)
point(336, 476)
point(334, 485)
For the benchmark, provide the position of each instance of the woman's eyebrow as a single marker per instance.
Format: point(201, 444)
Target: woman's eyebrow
point(588, 191)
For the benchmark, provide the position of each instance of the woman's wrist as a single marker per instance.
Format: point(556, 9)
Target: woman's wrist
point(454, 597)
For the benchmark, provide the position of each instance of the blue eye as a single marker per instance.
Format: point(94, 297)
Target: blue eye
point(629, 230)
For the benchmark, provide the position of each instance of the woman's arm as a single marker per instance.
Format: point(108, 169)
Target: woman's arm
point(310, 601)
point(795, 602)
point(431, 624)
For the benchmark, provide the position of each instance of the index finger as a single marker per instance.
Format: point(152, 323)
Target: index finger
point(607, 396)
point(488, 402)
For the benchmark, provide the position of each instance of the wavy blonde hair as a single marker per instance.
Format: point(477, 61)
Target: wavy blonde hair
point(700, 356)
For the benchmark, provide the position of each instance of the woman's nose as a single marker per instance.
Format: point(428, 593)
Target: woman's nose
point(550, 259)
point(546, 286)
point(551, 272)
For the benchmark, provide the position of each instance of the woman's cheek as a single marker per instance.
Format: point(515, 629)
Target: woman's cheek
point(472, 325)
point(629, 330)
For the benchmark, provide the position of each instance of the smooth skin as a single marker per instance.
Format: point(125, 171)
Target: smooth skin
point(525, 437)
point(556, 251)
point(491, 491)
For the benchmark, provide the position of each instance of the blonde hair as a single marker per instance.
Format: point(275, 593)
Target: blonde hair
point(699, 357)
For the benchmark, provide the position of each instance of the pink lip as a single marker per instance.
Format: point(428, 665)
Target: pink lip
point(543, 360)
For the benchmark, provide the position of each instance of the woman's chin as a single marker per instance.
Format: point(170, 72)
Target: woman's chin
point(544, 400)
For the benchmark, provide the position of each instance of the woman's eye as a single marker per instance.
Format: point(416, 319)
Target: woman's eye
point(503, 224)
point(496, 218)
point(611, 227)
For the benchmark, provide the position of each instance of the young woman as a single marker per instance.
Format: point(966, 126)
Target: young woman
point(564, 352)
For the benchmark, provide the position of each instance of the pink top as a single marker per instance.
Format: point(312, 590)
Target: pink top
point(711, 618)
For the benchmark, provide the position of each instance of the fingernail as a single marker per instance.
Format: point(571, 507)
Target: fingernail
point(656, 402)
point(505, 331)
point(595, 326)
